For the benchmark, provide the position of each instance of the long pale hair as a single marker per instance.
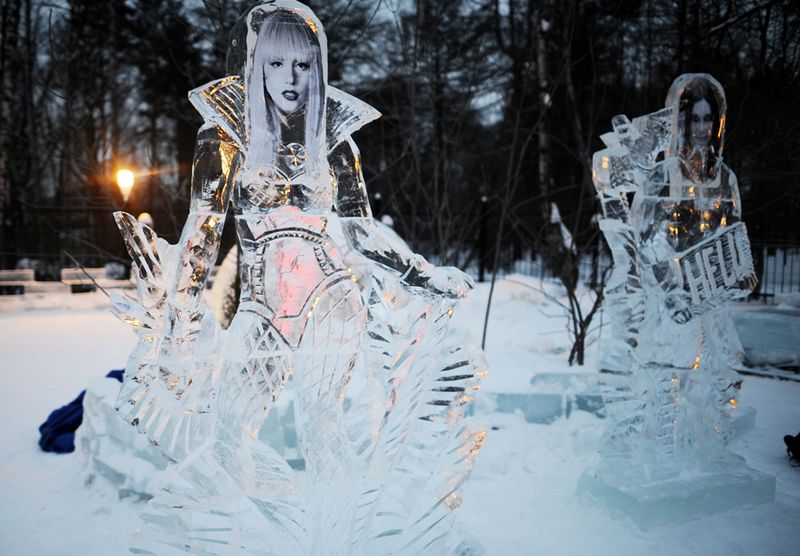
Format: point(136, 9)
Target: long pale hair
point(283, 33)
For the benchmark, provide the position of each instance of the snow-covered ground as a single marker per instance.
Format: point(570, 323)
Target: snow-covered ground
point(521, 498)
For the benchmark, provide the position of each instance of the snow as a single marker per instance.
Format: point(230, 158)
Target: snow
point(521, 498)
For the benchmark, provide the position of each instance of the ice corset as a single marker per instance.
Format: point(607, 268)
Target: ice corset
point(288, 266)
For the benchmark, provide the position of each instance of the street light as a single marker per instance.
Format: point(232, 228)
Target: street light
point(125, 180)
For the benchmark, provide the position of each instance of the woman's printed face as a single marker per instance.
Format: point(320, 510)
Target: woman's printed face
point(286, 80)
point(702, 124)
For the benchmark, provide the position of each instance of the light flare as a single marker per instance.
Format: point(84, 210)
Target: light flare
point(125, 181)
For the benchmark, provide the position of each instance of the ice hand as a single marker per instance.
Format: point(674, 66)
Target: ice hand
point(751, 282)
point(450, 282)
point(140, 240)
point(677, 305)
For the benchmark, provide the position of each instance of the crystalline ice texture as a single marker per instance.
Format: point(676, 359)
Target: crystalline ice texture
point(680, 253)
point(113, 449)
point(382, 475)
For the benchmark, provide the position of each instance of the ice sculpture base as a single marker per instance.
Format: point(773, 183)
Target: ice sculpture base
point(114, 449)
point(118, 453)
point(727, 485)
point(557, 395)
point(554, 395)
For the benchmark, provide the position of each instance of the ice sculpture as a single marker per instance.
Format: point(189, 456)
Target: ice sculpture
point(680, 253)
point(383, 472)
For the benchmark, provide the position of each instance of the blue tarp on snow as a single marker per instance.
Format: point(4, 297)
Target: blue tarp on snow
point(57, 434)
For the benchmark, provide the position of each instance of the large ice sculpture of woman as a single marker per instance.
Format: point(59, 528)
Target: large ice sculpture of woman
point(379, 478)
point(680, 254)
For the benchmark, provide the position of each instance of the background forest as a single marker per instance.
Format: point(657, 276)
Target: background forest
point(491, 112)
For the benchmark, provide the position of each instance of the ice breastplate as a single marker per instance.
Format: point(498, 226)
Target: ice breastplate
point(286, 182)
point(288, 260)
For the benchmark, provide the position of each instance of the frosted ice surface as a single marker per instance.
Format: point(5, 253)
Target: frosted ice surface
point(381, 476)
point(112, 448)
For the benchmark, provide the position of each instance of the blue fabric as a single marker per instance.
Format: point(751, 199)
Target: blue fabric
point(57, 434)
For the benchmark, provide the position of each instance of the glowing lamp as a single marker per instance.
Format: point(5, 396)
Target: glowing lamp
point(125, 180)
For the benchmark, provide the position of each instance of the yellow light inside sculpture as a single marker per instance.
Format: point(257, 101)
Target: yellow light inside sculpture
point(723, 222)
point(732, 402)
point(696, 362)
point(452, 501)
point(226, 154)
point(477, 443)
point(131, 321)
point(314, 305)
point(125, 179)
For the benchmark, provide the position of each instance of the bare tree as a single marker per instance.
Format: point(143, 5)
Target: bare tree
point(8, 73)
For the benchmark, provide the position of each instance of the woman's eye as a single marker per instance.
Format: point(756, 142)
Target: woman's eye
point(303, 65)
point(276, 64)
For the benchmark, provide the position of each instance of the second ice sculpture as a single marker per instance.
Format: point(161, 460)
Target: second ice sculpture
point(680, 254)
point(383, 472)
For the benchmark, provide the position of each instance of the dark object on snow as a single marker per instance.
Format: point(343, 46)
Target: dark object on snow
point(793, 448)
point(57, 434)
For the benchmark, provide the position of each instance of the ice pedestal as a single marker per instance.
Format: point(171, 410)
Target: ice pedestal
point(769, 335)
point(555, 395)
point(536, 408)
point(578, 391)
point(114, 449)
point(119, 454)
point(560, 394)
point(720, 487)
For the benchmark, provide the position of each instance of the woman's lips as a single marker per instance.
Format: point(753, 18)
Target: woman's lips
point(290, 95)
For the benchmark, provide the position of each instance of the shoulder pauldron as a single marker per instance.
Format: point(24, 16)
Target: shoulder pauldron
point(221, 103)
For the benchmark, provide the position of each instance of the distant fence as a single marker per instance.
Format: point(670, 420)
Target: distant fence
point(74, 280)
point(591, 266)
point(777, 268)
